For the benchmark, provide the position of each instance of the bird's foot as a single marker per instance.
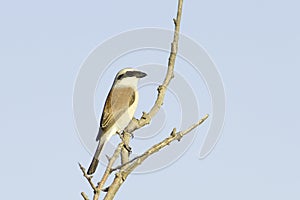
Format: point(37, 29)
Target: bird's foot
point(131, 135)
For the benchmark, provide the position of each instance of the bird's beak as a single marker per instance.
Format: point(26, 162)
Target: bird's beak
point(140, 74)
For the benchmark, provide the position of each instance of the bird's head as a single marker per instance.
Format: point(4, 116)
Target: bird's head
point(128, 77)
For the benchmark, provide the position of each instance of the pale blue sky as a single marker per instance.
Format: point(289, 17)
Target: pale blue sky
point(256, 46)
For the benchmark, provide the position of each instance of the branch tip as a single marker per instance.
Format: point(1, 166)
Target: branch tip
point(85, 197)
point(173, 133)
point(81, 167)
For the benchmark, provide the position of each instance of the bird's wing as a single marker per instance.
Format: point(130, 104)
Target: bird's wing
point(117, 102)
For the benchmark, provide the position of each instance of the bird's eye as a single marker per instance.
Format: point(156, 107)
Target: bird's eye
point(120, 76)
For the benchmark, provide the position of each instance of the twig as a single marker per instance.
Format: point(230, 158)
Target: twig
point(124, 164)
point(125, 170)
point(97, 189)
point(88, 178)
point(108, 170)
point(178, 136)
point(155, 148)
point(85, 197)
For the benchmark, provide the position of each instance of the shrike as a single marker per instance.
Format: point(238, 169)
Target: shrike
point(119, 108)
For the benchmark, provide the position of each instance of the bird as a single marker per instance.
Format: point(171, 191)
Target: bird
point(119, 109)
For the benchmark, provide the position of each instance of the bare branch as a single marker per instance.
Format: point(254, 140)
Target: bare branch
point(97, 189)
point(146, 117)
point(124, 164)
point(127, 168)
point(175, 136)
point(125, 151)
point(155, 148)
point(108, 170)
point(88, 178)
point(85, 197)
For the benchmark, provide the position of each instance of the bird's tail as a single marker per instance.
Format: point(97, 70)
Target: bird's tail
point(95, 161)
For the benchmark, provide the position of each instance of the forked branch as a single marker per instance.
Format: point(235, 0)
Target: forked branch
point(127, 166)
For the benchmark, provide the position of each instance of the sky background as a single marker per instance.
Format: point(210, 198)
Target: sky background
point(255, 45)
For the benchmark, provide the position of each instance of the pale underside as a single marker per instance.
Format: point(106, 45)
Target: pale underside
point(118, 110)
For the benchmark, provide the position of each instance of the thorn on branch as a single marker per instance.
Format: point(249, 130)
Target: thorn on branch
point(146, 117)
point(107, 157)
point(175, 21)
point(173, 134)
point(160, 88)
point(81, 167)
